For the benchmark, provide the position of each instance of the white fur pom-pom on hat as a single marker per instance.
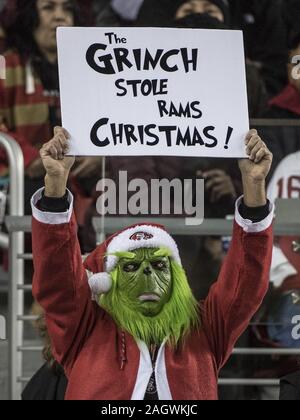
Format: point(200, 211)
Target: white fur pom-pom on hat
point(100, 283)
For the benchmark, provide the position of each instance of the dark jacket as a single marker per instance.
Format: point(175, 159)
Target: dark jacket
point(265, 37)
point(46, 385)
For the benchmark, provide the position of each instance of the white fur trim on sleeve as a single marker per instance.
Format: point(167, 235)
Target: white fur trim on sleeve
point(47, 217)
point(150, 237)
point(250, 227)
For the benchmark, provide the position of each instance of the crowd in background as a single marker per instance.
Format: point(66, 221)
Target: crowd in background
point(30, 109)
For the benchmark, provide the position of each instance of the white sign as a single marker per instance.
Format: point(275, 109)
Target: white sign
point(155, 92)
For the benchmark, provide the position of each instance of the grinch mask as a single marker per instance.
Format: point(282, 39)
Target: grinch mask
point(150, 296)
point(146, 278)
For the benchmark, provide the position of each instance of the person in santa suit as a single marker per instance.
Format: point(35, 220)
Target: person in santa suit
point(124, 325)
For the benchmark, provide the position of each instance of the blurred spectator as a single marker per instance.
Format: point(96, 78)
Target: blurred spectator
point(285, 140)
point(29, 97)
point(287, 103)
point(286, 179)
point(282, 302)
point(285, 273)
point(285, 184)
point(214, 8)
point(265, 38)
point(163, 12)
point(199, 21)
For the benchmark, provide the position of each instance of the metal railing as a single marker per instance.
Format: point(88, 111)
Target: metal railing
point(16, 265)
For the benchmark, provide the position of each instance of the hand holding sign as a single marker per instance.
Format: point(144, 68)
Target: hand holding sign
point(255, 170)
point(258, 166)
point(159, 92)
point(56, 163)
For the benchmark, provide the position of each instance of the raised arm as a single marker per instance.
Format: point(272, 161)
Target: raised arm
point(60, 283)
point(244, 278)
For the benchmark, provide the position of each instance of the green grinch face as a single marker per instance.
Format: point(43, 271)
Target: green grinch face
point(146, 280)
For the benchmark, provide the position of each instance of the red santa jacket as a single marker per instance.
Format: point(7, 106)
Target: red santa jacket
point(87, 342)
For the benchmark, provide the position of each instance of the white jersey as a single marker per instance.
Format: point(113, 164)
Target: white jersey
point(286, 179)
point(284, 184)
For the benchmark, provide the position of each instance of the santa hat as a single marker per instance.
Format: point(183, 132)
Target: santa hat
point(101, 262)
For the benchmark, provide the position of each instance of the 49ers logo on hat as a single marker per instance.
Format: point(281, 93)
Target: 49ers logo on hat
point(140, 236)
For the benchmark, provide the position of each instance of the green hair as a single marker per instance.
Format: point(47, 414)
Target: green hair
point(179, 316)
